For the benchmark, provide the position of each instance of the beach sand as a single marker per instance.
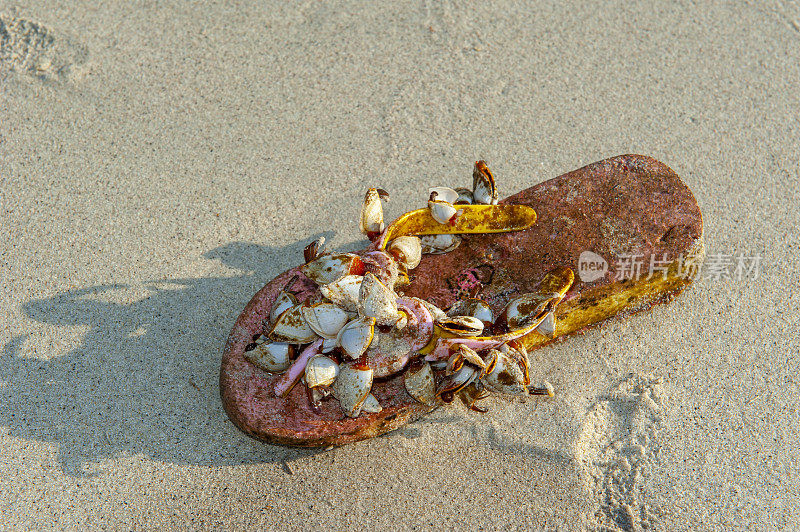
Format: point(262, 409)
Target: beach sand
point(160, 163)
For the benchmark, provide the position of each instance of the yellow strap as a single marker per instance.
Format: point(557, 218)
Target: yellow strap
point(473, 219)
point(557, 281)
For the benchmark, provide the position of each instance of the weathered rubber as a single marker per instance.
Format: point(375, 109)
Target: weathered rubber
point(626, 205)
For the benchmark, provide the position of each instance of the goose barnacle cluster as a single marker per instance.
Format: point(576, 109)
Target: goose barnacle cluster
point(355, 328)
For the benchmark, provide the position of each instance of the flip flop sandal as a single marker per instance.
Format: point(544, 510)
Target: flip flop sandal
point(447, 301)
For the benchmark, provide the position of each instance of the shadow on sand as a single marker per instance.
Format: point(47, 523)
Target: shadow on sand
point(145, 379)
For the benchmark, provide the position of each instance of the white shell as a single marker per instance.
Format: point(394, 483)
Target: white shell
point(371, 405)
point(351, 388)
point(325, 319)
point(328, 268)
point(519, 355)
point(472, 307)
point(282, 303)
point(548, 325)
point(464, 375)
point(442, 211)
point(506, 376)
point(436, 244)
point(270, 356)
point(407, 250)
point(420, 384)
point(461, 378)
point(377, 301)
point(343, 292)
point(526, 309)
point(483, 195)
point(328, 345)
point(483, 189)
point(464, 197)
point(355, 337)
point(436, 313)
point(371, 213)
point(292, 327)
point(462, 326)
point(321, 371)
point(444, 194)
point(471, 356)
point(483, 313)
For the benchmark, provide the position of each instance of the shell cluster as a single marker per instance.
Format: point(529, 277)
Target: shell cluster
point(355, 328)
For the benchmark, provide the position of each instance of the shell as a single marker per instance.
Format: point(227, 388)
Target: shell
point(438, 365)
point(352, 387)
point(483, 187)
point(371, 405)
point(321, 371)
point(282, 303)
point(454, 363)
point(292, 327)
point(464, 197)
point(436, 313)
point(314, 250)
point(407, 250)
point(471, 356)
point(472, 393)
point(355, 337)
point(477, 308)
point(506, 377)
point(461, 326)
point(519, 354)
point(383, 266)
point(526, 309)
point(328, 268)
point(420, 384)
point(343, 292)
point(548, 325)
point(329, 344)
point(437, 244)
point(383, 359)
point(377, 301)
point(325, 319)
point(371, 223)
point(443, 211)
point(392, 350)
point(444, 194)
point(318, 393)
point(535, 309)
point(457, 381)
point(271, 356)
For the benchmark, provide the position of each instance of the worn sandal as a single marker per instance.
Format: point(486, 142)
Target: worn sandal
point(447, 301)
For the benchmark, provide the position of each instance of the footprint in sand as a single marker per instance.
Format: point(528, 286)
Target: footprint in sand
point(619, 442)
point(33, 49)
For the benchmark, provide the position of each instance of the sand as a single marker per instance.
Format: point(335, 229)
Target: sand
point(160, 162)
